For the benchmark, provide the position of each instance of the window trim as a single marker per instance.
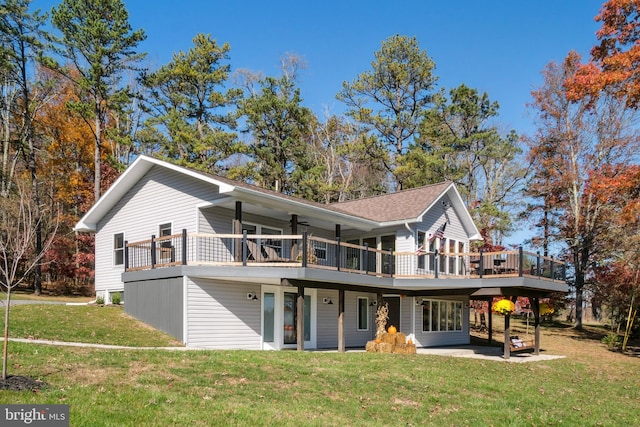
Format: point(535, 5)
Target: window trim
point(117, 250)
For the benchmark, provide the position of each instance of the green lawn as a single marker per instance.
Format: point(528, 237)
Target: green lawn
point(592, 386)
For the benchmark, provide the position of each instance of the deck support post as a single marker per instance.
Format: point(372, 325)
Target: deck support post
point(535, 307)
point(507, 337)
point(490, 322)
point(341, 346)
point(153, 251)
point(237, 229)
point(184, 246)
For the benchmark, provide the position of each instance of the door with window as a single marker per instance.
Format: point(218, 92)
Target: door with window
point(394, 311)
point(167, 251)
point(280, 317)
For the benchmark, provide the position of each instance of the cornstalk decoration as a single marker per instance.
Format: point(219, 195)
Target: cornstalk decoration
point(382, 315)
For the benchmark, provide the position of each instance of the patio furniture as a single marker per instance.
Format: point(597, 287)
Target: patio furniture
point(517, 344)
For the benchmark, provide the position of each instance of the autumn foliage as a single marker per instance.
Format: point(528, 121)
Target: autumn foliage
point(615, 61)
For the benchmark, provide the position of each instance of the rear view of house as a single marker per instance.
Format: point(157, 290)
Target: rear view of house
point(225, 265)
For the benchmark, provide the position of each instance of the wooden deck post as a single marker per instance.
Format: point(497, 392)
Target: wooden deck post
point(535, 307)
point(237, 229)
point(490, 323)
point(341, 346)
point(507, 337)
point(300, 319)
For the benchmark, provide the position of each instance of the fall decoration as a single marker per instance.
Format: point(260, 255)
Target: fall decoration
point(504, 307)
point(391, 343)
point(392, 330)
point(382, 315)
point(546, 309)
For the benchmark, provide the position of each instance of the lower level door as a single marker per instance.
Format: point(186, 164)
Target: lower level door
point(280, 315)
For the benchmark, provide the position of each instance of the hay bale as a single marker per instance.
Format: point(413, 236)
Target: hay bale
point(371, 346)
point(400, 338)
point(385, 347)
point(388, 338)
point(405, 349)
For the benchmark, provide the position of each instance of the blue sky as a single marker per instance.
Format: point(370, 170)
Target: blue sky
point(498, 47)
point(495, 46)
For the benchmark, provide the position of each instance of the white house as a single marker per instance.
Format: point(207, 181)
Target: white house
point(225, 265)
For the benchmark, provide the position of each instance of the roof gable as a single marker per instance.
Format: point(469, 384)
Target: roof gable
point(406, 205)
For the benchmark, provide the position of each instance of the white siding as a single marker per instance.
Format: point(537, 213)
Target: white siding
point(221, 317)
point(161, 196)
point(352, 336)
point(327, 330)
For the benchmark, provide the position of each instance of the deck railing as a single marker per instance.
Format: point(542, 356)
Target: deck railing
point(305, 250)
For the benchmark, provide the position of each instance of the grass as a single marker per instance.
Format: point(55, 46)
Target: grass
point(592, 386)
point(21, 295)
point(87, 324)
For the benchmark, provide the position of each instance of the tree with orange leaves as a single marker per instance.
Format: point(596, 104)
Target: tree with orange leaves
point(67, 172)
point(617, 278)
point(615, 61)
point(574, 141)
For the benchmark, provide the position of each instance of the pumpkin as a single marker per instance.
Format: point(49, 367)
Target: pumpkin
point(392, 330)
point(410, 342)
point(378, 340)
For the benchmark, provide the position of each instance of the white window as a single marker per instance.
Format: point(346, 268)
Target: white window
point(441, 316)
point(422, 246)
point(363, 314)
point(118, 249)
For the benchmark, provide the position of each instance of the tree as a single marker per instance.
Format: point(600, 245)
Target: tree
point(457, 142)
point(100, 44)
point(573, 140)
point(617, 273)
point(336, 165)
point(391, 98)
point(193, 119)
point(278, 125)
point(615, 61)
point(25, 41)
point(17, 256)
point(66, 172)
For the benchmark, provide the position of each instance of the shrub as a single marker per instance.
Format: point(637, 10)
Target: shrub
point(611, 340)
point(116, 298)
point(100, 300)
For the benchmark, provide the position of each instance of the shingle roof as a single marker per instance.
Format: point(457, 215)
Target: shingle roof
point(402, 205)
point(398, 206)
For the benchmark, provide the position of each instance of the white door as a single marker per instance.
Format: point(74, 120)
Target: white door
point(279, 318)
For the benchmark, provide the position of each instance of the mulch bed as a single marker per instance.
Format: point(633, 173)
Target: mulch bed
point(20, 383)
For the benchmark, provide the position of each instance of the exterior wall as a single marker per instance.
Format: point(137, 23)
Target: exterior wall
point(220, 220)
point(352, 336)
point(161, 196)
point(327, 330)
point(434, 339)
point(158, 303)
point(219, 315)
